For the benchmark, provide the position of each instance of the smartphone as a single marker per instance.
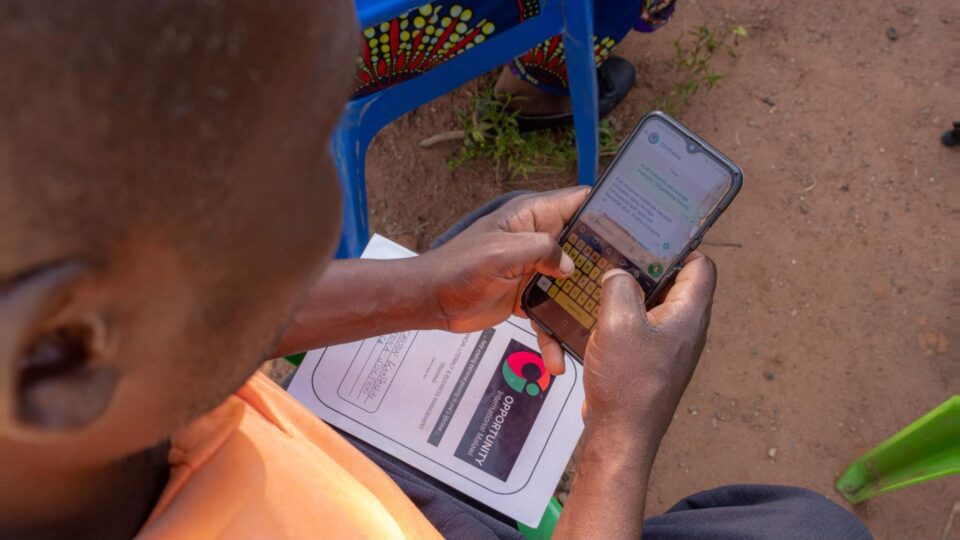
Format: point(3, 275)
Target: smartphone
point(650, 209)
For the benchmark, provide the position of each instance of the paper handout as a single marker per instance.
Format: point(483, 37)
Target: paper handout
point(477, 411)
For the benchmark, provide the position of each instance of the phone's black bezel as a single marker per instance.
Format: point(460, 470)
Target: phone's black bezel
point(653, 297)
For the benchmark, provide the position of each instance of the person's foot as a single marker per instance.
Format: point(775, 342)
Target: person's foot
point(528, 100)
point(540, 110)
point(951, 138)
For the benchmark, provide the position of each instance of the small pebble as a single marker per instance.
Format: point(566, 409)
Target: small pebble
point(768, 100)
point(768, 375)
point(892, 34)
point(771, 452)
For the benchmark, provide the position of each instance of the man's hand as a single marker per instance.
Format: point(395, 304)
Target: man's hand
point(470, 283)
point(636, 367)
point(479, 275)
point(638, 363)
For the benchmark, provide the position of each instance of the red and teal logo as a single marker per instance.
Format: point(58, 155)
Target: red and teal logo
point(506, 412)
point(525, 371)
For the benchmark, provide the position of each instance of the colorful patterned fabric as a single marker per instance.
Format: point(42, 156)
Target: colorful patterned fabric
point(423, 38)
point(544, 65)
point(654, 14)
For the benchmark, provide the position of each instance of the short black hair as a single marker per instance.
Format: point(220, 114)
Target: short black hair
point(121, 111)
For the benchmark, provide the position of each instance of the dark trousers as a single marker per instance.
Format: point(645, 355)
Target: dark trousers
point(741, 512)
point(738, 512)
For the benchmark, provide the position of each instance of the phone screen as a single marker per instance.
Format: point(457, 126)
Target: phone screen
point(649, 209)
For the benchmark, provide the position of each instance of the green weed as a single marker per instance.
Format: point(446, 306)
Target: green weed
point(491, 132)
point(693, 60)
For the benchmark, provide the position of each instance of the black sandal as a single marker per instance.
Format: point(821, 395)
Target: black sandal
point(949, 139)
point(615, 78)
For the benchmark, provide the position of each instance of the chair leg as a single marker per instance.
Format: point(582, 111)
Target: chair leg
point(547, 523)
point(926, 449)
point(349, 153)
point(582, 76)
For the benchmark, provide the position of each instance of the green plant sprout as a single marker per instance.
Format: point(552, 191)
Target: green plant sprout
point(693, 60)
point(490, 130)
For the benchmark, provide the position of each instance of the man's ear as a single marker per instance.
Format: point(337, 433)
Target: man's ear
point(50, 380)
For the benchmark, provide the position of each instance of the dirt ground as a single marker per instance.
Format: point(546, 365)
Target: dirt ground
point(833, 325)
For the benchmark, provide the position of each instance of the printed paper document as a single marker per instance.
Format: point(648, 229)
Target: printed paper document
point(477, 411)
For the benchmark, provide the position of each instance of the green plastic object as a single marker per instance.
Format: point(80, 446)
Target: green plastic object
point(295, 359)
point(926, 449)
point(547, 523)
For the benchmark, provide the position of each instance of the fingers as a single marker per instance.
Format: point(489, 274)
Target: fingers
point(535, 252)
point(541, 212)
point(692, 293)
point(550, 351)
point(564, 202)
point(621, 299)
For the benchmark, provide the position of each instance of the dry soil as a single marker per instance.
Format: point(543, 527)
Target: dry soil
point(834, 324)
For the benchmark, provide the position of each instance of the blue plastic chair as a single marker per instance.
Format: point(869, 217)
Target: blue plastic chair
point(365, 116)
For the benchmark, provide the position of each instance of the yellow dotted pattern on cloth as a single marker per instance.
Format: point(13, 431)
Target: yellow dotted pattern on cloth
point(428, 36)
point(422, 39)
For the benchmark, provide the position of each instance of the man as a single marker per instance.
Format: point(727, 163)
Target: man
point(167, 215)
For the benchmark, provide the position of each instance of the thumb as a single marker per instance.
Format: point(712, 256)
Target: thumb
point(537, 252)
point(621, 297)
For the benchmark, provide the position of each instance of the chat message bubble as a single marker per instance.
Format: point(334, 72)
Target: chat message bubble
point(659, 232)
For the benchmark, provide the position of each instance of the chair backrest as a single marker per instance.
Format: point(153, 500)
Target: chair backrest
point(377, 110)
point(364, 116)
point(371, 12)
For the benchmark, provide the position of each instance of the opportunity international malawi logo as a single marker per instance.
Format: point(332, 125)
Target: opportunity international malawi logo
point(507, 410)
point(525, 371)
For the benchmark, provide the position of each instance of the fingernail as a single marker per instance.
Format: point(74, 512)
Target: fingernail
point(613, 272)
point(566, 264)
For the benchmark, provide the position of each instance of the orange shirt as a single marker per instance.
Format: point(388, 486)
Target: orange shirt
point(262, 466)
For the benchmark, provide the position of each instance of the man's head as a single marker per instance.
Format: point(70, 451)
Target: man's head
point(166, 195)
